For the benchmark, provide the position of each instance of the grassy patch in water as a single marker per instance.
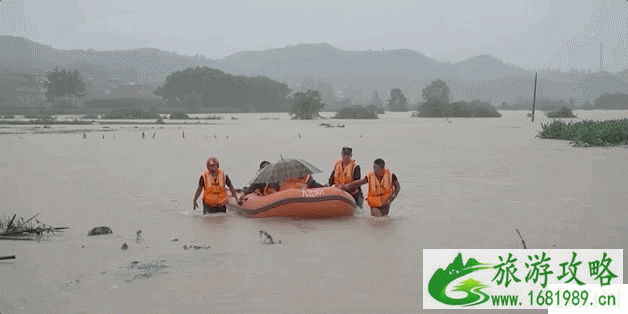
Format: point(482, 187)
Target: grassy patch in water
point(356, 112)
point(179, 115)
point(564, 112)
point(588, 133)
point(212, 117)
point(134, 113)
point(461, 109)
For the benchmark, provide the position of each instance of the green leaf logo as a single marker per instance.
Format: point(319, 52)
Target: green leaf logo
point(442, 278)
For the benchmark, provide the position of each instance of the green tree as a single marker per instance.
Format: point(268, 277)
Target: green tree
point(398, 101)
point(617, 101)
point(266, 95)
point(64, 83)
point(376, 100)
point(192, 99)
point(307, 105)
point(587, 106)
point(218, 89)
point(55, 86)
point(433, 108)
point(76, 85)
point(436, 90)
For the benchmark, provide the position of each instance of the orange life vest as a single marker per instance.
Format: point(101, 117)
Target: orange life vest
point(379, 191)
point(343, 175)
point(214, 193)
point(295, 183)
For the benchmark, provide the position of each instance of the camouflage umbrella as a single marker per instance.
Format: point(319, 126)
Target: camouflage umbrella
point(284, 169)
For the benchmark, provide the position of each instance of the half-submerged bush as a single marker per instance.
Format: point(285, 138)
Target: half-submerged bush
point(355, 112)
point(90, 117)
point(587, 106)
point(588, 133)
point(376, 109)
point(213, 117)
point(134, 113)
point(179, 115)
point(462, 109)
point(564, 112)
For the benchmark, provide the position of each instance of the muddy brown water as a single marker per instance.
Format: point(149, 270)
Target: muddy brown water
point(464, 184)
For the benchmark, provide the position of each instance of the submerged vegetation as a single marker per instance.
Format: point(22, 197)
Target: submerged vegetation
point(212, 117)
point(436, 108)
point(588, 133)
point(307, 105)
point(179, 115)
point(355, 112)
point(134, 113)
point(564, 112)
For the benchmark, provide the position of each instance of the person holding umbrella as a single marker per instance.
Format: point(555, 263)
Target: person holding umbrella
point(291, 173)
point(261, 187)
point(383, 188)
point(212, 182)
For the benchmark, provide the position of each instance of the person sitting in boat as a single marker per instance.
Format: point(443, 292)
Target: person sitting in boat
point(212, 182)
point(345, 171)
point(261, 188)
point(383, 188)
point(303, 182)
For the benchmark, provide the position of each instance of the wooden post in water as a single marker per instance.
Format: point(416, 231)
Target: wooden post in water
point(534, 98)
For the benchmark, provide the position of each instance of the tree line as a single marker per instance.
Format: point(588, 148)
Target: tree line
point(616, 101)
point(64, 83)
point(207, 87)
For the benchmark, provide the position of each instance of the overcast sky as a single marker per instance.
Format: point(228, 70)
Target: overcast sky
point(528, 33)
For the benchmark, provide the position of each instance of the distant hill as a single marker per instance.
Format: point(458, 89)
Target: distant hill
point(320, 60)
point(140, 65)
point(354, 74)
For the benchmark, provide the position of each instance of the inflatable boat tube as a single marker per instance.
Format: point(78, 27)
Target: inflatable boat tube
point(318, 203)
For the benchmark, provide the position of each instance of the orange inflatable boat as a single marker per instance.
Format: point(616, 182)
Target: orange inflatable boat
point(317, 203)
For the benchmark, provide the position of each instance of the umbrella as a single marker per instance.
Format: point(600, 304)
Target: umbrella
point(284, 169)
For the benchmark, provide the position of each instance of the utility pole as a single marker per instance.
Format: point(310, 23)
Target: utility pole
point(534, 97)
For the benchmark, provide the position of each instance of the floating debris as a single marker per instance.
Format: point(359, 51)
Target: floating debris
point(140, 271)
point(124, 246)
point(331, 125)
point(268, 238)
point(195, 247)
point(100, 230)
point(20, 229)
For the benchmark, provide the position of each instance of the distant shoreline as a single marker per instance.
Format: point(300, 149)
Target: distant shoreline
point(39, 122)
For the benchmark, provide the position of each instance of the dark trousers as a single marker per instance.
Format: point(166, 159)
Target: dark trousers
point(359, 199)
point(207, 209)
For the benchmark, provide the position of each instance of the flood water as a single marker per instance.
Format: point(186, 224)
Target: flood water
point(465, 183)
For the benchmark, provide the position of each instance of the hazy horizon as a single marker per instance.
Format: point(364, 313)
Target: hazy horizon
point(529, 34)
